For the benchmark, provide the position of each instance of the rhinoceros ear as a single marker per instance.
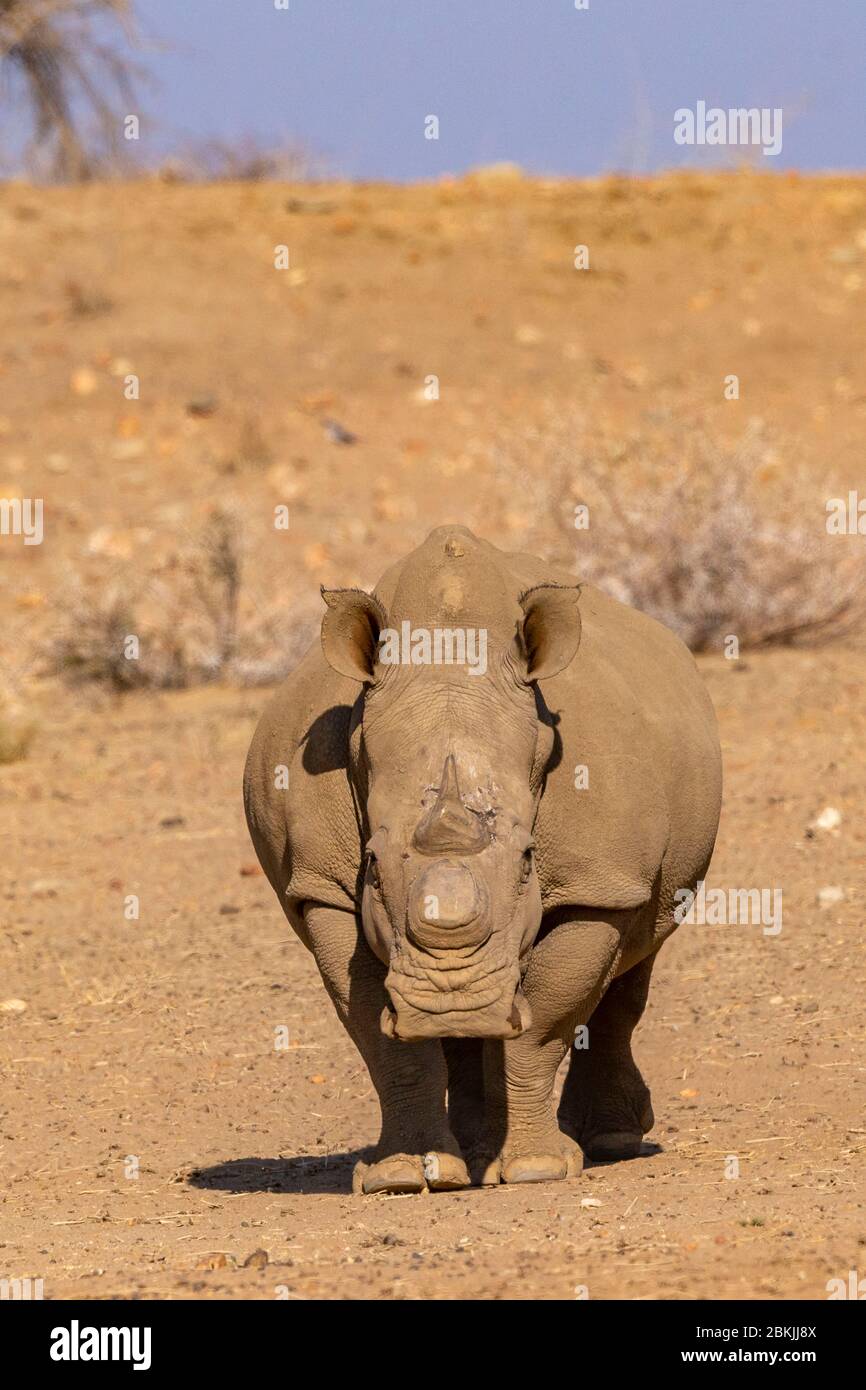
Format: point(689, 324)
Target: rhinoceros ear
point(350, 632)
point(549, 636)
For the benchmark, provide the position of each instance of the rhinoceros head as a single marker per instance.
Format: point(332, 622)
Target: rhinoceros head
point(447, 762)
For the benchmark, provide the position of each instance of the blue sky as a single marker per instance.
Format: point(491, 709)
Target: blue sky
point(539, 82)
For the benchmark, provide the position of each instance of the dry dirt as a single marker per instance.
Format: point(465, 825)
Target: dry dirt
point(151, 1136)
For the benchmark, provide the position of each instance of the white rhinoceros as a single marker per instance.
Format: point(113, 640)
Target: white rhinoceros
point(498, 781)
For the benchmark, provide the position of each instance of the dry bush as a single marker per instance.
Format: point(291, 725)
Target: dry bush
point(90, 644)
point(86, 301)
point(252, 449)
point(17, 730)
point(711, 541)
point(194, 623)
point(243, 160)
point(67, 59)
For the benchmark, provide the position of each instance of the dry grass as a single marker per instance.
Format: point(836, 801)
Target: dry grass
point(190, 624)
point(712, 541)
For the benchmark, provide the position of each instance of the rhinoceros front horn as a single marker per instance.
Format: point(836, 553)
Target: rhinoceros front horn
point(448, 827)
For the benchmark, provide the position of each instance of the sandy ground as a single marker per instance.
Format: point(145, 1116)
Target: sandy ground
point(151, 1136)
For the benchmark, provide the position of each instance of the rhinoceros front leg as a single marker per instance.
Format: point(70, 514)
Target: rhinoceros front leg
point(568, 972)
point(416, 1147)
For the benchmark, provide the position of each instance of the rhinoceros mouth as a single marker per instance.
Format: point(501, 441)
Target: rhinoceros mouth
point(496, 1009)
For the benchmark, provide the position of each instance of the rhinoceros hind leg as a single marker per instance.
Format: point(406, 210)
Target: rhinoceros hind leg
point(467, 1108)
point(605, 1104)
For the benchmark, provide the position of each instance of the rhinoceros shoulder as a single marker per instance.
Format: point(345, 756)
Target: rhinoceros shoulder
point(296, 792)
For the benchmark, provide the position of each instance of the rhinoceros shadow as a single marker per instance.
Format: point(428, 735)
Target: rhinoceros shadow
point(308, 1174)
point(648, 1149)
point(326, 741)
point(313, 1174)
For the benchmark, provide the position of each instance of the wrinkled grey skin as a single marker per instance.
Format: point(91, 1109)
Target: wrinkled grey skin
point(469, 894)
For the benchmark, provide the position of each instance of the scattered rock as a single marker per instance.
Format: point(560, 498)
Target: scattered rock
point(337, 433)
point(202, 406)
point(84, 381)
point(829, 819)
point(12, 1006)
point(315, 556)
point(831, 895)
point(528, 336)
point(282, 478)
point(123, 449)
point(216, 1259)
point(46, 887)
point(257, 1260)
point(116, 545)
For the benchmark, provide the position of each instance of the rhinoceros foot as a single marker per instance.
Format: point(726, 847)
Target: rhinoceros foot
point(616, 1144)
point(606, 1111)
point(408, 1173)
point(552, 1160)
